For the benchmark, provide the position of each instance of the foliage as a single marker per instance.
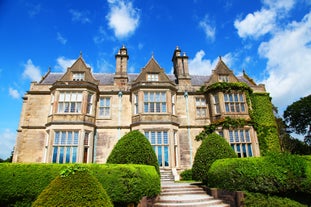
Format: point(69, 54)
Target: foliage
point(225, 86)
point(213, 147)
point(262, 200)
point(133, 148)
point(298, 116)
point(266, 127)
point(275, 173)
point(261, 113)
point(22, 183)
point(75, 187)
point(128, 183)
point(186, 174)
point(289, 143)
point(225, 123)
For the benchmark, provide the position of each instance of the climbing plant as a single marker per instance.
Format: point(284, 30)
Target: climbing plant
point(261, 113)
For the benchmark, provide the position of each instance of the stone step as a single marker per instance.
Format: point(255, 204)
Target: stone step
point(185, 195)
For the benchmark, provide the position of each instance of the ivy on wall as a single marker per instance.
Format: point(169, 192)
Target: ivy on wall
point(266, 127)
point(261, 113)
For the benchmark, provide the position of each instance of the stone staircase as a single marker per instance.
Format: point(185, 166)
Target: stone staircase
point(183, 194)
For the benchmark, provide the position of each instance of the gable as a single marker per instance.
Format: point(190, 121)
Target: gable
point(152, 72)
point(79, 71)
point(222, 73)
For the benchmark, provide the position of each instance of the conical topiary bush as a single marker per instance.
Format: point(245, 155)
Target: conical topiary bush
point(133, 148)
point(213, 147)
point(76, 186)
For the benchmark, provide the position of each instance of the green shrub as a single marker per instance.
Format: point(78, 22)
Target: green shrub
point(213, 147)
point(74, 187)
point(133, 148)
point(273, 174)
point(128, 183)
point(186, 174)
point(262, 200)
point(22, 183)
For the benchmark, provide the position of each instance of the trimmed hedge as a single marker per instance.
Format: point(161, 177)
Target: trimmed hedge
point(213, 147)
point(273, 174)
point(22, 183)
point(75, 188)
point(262, 200)
point(133, 148)
point(186, 174)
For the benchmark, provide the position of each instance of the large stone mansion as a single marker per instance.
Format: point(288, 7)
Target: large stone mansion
point(78, 116)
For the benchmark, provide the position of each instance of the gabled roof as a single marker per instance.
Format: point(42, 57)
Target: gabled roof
point(79, 66)
point(154, 68)
point(222, 68)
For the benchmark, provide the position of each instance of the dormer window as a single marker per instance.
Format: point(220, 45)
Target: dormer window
point(78, 76)
point(223, 78)
point(152, 77)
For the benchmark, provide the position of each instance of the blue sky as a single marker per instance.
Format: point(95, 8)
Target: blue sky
point(269, 39)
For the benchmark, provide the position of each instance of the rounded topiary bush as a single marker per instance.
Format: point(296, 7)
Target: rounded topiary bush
point(213, 147)
point(133, 148)
point(74, 187)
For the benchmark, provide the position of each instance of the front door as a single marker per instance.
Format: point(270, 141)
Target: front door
point(160, 144)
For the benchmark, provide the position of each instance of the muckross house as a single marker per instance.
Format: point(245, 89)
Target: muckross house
point(78, 116)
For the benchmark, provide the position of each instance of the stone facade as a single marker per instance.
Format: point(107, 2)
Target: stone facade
point(78, 116)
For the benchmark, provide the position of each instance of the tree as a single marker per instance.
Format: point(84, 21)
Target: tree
point(213, 147)
point(298, 117)
point(133, 148)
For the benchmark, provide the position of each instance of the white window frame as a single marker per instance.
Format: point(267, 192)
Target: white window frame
point(152, 77)
point(65, 146)
point(78, 76)
point(155, 102)
point(201, 107)
point(241, 142)
point(104, 107)
point(234, 103)
point(70, 102)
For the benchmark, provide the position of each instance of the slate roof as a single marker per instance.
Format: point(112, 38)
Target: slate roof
point(107, 78)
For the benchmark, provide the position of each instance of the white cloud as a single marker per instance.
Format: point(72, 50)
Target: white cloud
point(122, 18)
point(279, 4)
point(288, 67)
point(61, 38)
point(208, 29)
point(31, 71)
point(78, 16)
point(200, 66)
point(14, 93)
point(257, 24)
point(7, 141)
point(63, 63)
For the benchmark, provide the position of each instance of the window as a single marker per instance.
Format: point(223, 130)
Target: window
point(234, 102)
point(51, 104)
point(201, 109)
point(154, 102)
point(160, 144)
point(173, 104)
point(104, 107)
point(240, 142)
point(223, 78)
point(65, 147)
point(89, 103)
point(70, 102)
point(135, 103)
point(78, 76)
point(152, 77)
point(86, 146)
point(216, 104)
